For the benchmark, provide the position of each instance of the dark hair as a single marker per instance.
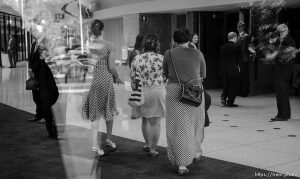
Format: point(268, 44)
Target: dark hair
point(138, 42)
point(194, 35)
point(151, 43)
point(97, 27)
point(182, 36)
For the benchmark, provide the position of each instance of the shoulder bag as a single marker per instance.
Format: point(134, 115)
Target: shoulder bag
point(137, 97)
point(190, 93)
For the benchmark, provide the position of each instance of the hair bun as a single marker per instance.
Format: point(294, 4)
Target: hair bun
point(97, 27)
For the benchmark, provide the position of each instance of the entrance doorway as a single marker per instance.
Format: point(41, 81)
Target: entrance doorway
point(214, 27)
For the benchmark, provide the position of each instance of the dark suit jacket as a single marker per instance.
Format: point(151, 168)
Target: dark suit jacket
point(12, 44)
point(283, 69)
point(243, 41)
point(231, 59)
point(48, 90)
point(286, 42)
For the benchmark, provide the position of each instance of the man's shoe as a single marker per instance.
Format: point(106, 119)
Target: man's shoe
point(35, 119)
point(278, 119)
point(232, 105)
point(223, 101)
point(53, 135)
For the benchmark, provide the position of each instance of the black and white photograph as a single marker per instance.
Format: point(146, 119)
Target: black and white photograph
point(156, 89)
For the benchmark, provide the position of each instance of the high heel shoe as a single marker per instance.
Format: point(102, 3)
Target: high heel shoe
point(98, 151)
point(182, 172)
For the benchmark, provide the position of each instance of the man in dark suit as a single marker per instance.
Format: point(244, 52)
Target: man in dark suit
point(283, 74)
point(47, 93)
point(230, 70)
point(243, 41)
point(12, 49)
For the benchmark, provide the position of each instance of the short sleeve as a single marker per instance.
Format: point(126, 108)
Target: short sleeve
point(111, 47)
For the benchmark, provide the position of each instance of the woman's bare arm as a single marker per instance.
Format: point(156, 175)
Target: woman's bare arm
point(112, 68)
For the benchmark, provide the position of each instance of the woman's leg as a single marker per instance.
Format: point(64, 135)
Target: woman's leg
point(109, 126)
point(154, 133)
point(95, 137)
point(146, 131)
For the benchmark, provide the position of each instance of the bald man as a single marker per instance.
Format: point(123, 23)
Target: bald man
point(231, 59)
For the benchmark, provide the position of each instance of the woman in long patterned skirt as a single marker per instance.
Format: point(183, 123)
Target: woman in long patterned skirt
point(184, 123)
point(100, 102)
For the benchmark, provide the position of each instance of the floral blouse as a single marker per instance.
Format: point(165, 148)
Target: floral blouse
point(149, 66)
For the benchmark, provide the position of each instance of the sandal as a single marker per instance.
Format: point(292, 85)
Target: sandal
point(182, 172)
point(198, 157)
point(111, 145)
point(146, 149)
point(154, 154)
point(98, 151)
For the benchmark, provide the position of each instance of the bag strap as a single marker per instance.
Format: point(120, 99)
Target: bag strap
point(137, 52)
point(200, 84)
point(174, 67)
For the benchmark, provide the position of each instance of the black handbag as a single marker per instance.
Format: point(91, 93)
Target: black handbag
point(31, 84)
point(190, 93)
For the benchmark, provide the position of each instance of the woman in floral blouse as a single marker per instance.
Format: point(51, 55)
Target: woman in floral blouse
point(149, 66)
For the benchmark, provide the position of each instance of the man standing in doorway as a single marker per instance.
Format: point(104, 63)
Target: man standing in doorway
point(230, 70)
point(12, 48)
point(243, 42)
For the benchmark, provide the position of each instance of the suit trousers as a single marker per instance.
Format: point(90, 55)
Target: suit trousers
point(283, 76)
point(38, 103)
point(50, 123)
point(244, 80)
point(231, 87)
point(12, 57)
point(46, 112)
point(207, 100)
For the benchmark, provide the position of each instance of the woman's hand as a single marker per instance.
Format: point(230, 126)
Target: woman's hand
point(133, 85)
point(118, 81)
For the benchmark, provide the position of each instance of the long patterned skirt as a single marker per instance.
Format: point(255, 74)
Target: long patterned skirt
point(184, 126)
point(100, 101)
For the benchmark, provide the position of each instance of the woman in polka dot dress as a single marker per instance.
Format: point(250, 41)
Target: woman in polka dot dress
point(100, 102)
point(184, 123)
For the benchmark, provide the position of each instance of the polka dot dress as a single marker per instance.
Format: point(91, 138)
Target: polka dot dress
point(184, 127)
point(100, 101)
